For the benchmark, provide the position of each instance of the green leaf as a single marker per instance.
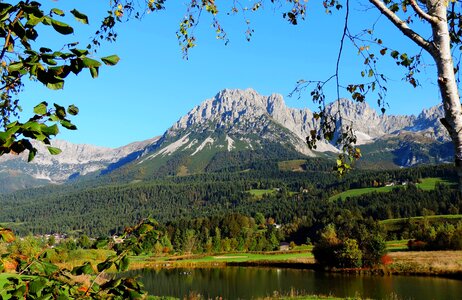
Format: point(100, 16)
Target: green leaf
point(33, 20)
point(31, 34)
point(101, 243)
point(111, 60)
point(76, 66)
point(50, 130)
point(61, 27)
point(37, 285)
point(5, 8)
point(123, 264)
point(57, 11)
point(90, 63)
point(47, 20)
point(94, 72)
point(112, 283)
point(54, 150)
point(45, 50)
point(49, 61)
point(49, 268)
point(86, 268)
point(60, 111)
point(18, 29)
point(41, 109)
point(53, 118)
point(57, 85)
point(145, 228)
point(32, 154)
point(79, 16)
point(73, 110)
point(15, 66)
point(104, 265)
point(79, 52)
point(68, 125)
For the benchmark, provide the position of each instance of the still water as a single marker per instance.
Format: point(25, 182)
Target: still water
point(251, 283)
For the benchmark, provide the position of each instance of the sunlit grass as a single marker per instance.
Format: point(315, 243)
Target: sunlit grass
point(260, 192)
point(426, 184)
point(433, 218)
point(291, 165)
point(397, 245)
point(359, 192)
point(244, 257)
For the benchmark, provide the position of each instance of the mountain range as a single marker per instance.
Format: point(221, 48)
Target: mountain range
point(235, 129)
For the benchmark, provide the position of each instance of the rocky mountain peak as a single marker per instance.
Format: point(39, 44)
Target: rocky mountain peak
point(229, 106)
point(432, 113)
point(74, 160)
point(232, 120)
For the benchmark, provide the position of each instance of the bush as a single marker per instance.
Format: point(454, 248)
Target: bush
point(373, 248)
point(330, 251)
point(349, 255)
point(444, 236)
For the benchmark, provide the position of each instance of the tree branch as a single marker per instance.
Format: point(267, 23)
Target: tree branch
point(403, 27)
point(422, 13)
point(8, 37)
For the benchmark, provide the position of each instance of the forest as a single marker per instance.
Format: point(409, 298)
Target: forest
point(299, 201)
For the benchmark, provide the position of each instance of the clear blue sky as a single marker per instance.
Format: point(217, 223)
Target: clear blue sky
point(153, 86)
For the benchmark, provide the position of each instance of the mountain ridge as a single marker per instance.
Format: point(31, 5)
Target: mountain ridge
point(235, 120)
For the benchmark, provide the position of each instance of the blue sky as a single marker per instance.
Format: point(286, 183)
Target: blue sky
point(153, 86)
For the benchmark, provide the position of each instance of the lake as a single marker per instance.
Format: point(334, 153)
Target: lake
point(253, 282)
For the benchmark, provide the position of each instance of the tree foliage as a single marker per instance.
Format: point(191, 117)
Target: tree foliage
point(23, 60)
point(39, 278)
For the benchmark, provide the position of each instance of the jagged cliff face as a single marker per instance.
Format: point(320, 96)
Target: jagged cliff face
point(75, 160)
point(243, 120)
point(249, 118)
point(245, 112)
point(241, 111)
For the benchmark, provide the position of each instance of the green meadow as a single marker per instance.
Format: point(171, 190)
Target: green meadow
point(426, 184)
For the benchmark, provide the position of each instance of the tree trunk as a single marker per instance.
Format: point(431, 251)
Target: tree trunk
point(441, 52)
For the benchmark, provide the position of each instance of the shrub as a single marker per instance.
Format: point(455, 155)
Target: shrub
point(349, 255)
point(331, 251)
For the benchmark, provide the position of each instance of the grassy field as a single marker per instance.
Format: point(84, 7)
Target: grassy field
point(427, 184)
point(244, 257)
point(358, 192)
point(434, 218)
point(291, 165)
point(397, 224)
point(303, 257)
point(398, 245)
point(426, 262)
point(430, 183)
point(259, 193)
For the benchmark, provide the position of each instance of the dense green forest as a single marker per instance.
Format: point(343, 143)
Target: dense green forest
point(298, 199)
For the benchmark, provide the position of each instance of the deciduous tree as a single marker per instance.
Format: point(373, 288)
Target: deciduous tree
point(22, 60)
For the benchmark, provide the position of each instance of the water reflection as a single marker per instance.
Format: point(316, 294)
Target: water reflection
point(250, 283)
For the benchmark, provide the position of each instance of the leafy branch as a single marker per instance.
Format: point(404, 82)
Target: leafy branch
point(18, 58)
point(39, 278)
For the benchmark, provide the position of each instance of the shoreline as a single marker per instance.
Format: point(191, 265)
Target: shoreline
point(406, 263)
